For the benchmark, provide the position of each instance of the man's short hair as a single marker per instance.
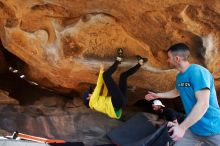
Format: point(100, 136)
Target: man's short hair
point(180, 49)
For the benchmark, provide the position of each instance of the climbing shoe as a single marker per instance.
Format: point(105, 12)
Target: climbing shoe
point(139, 58)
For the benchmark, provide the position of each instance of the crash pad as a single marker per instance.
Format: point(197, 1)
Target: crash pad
point(139, 131)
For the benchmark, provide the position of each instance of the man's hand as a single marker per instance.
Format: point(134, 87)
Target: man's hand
point(88, 98)
point(102, 66)
point(151, 96)
point(177, 132)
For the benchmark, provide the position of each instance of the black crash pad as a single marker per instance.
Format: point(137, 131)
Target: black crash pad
point(139, 131)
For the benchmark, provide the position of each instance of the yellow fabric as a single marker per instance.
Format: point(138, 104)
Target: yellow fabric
point(102, 103)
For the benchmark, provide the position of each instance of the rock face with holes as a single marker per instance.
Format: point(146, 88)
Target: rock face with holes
point(62, 43)
point(81, 125)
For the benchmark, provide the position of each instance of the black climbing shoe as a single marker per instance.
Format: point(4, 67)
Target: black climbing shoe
point(139, 58)
point(119, 54)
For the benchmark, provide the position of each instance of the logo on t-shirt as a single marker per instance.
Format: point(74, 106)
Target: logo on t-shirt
point(184, 84)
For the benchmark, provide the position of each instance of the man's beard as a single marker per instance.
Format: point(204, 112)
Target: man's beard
point(171, 66)
point(159, 111)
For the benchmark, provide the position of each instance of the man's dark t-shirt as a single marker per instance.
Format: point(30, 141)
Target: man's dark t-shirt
point(171, 115)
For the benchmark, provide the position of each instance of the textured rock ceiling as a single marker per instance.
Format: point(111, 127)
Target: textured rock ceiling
point(62, 42)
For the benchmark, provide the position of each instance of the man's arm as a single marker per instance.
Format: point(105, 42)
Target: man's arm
point(199, 109)
point(170, 94)
point(99, 84)
point(98, 87)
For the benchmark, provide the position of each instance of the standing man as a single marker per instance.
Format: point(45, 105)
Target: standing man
point(195, 86)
